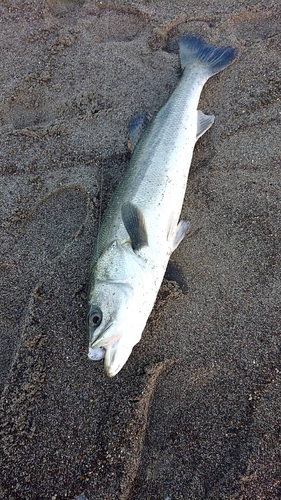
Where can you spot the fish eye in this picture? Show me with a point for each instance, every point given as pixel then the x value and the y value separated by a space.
pixel 95 317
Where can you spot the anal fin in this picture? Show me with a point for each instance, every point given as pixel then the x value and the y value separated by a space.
pixel 181 230
pixel 204 122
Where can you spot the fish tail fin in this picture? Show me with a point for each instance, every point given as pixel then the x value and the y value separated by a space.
pixel 193 50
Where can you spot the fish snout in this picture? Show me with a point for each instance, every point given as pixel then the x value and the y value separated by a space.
pixel 112 345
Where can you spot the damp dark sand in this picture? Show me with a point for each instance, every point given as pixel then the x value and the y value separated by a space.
pixel 196 411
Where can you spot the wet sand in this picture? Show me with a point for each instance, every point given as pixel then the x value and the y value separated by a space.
pixel 196 411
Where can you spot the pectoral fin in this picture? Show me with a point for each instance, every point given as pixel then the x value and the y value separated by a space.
pixel 204 122
pixel 134 223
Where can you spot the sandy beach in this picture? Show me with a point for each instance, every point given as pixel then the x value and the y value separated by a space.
pixel 195 414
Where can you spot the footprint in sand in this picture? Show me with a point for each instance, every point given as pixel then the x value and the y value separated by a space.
pixel 64 11
pixel 50 230
pixel 108 22
pixel 54 223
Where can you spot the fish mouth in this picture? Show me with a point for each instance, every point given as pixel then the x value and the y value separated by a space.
pixel 112 347
pixel 96 353
pixel 107 336
pixel 115 357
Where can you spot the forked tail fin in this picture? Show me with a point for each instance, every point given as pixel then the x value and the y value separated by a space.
pixel 193 50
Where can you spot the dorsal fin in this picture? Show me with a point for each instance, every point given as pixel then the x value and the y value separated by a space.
pixel 136 128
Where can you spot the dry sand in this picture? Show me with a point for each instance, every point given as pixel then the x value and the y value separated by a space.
pixel 196 411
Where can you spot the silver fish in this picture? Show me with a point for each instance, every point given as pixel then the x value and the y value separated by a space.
pixel 141 226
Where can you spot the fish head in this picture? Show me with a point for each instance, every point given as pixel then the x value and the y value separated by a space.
pixel 115 325
pixel 117 307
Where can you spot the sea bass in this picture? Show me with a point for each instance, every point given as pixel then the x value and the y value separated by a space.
pixel 141 226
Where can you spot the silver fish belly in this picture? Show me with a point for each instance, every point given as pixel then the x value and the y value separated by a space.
pixel 141 226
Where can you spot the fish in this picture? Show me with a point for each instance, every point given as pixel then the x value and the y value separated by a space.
pixel 141 227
